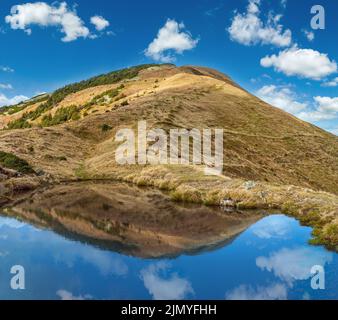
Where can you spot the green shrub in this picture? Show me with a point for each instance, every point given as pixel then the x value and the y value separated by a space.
pixel 11 161
pixel 62 115
pixel 21 123
pixel 16 109
pixel 101 98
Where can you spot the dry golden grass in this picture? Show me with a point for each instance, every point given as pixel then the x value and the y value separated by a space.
pixel 6 119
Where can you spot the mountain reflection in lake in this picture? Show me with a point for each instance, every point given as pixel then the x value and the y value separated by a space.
pixel 104 241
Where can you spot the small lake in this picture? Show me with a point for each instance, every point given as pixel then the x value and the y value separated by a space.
pixel 265 257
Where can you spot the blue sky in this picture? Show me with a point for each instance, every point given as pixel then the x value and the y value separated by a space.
pixel 267 46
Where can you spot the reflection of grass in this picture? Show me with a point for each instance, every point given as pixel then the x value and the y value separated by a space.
pixel 43 216
pixel 105 225
pixel 315 209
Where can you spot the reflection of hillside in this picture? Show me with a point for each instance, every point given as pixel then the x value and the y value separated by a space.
pixel 133 221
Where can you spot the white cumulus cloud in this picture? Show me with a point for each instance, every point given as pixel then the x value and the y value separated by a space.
pixel 105 263
pixel 309 35
pixel 331 83
pixel 169 288
pixel 281 97
pixel 5 101
pixel 334 131
pixel 273 292
pixel 249 29
pixel 305 63
pixel 23 16
pixel 319 109
pixel 275 226
pixel 99 22
pixel 11 223
pixel 172 38
pixel 284 3
pixel 68 296
pixel 6 69
pixel 326 108
pixel 327 103
pixel 291 265
pixel 6 86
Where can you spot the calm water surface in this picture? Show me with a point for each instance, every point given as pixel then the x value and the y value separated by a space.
pixel 270 260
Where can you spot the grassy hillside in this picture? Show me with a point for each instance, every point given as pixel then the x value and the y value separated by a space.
pixel 71 136
pixel 261 142
pixel 49 102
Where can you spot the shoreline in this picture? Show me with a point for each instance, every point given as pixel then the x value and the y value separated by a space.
pixel 316 209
